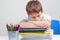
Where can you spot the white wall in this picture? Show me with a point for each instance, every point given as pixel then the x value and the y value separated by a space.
pixel 14 10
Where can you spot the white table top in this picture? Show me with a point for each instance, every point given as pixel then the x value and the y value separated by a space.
pixel 55 37
pixel 6 37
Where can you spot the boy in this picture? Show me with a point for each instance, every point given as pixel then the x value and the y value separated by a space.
pixel 36 18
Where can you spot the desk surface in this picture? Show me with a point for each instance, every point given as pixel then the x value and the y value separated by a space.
pixel 55 37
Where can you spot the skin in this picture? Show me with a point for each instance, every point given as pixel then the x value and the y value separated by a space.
pixel 35 21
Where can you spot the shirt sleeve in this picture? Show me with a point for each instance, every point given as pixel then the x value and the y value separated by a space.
pixel 46 17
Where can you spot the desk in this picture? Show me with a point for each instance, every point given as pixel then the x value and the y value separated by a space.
pixel 6 37
pixel 55 37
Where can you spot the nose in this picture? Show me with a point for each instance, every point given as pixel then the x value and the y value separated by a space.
pixel 36 19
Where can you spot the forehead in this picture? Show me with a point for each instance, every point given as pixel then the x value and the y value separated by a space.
pixel 34 14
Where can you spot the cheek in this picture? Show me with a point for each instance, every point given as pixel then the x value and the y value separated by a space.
pixel 32 19
pixel 38 18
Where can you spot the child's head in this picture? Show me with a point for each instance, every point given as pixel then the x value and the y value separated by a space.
pixel 34 10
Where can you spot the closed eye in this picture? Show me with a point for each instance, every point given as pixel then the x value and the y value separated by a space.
pixel 38 16
pixel 33 17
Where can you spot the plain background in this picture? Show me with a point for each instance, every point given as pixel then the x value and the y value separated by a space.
pixel 12 11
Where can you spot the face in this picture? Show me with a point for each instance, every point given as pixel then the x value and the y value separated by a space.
pixel 35 16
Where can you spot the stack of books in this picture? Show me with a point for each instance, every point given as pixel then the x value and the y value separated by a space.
pixel 34 34
pixel 32 30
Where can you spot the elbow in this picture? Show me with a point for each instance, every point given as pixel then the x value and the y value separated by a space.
pixel 22 24
pixel 48 25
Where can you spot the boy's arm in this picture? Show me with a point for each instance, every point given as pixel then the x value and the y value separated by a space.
pixel 25 24
pixel 45 23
